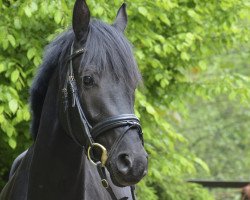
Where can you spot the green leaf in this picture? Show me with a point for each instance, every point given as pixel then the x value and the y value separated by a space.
pixel 2 67
pixel 37 61
pixel 31 53
pixel 27 11
pixel 13 105
pixel 2 119
pixel 185 56
pixel 33 6
pixel 12 40
pixel 232 95
pixel 165 19
pixel 143 11
pixel 15 75
pixel 164 83
pixel 17 23
pixel 140 54
pixel 150 109
pixel 1 109
pixel 26 115
pixel 202 65
pixel 99 10
pixel 5 44
pixel 157 49
pixel 12 143
pixel 202 164
pixel 10 131
pixel 194 15
pixel 58 17
pixel 158 77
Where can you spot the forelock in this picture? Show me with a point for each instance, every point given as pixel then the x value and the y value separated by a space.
pixel 109 51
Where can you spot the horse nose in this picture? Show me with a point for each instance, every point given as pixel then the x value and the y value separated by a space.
pixel 132 165
pixel 124 163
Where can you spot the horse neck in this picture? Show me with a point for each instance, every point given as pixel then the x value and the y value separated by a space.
pixel 56 169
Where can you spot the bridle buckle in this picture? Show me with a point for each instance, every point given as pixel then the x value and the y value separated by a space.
pixel 105 183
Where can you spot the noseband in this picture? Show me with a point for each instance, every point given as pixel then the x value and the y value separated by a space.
pixel 128 121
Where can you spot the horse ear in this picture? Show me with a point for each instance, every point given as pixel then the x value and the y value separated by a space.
pixel 121 18
pixel 81 18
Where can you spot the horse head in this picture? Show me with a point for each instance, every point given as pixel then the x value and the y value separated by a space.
pixel 99 81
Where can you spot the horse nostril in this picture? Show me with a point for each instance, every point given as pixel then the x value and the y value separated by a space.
pixel 124 163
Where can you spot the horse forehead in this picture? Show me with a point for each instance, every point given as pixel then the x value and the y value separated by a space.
pixel 107 74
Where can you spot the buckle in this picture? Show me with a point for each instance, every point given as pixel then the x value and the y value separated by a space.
pixel 105 183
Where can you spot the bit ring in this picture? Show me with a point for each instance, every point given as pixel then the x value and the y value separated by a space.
pixel 104 156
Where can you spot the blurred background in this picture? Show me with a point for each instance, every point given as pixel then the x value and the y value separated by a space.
pixel 194 104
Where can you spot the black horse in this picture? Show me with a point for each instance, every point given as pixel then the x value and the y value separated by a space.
pixel 82 101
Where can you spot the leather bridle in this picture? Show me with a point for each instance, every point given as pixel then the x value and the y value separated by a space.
pixel 128 121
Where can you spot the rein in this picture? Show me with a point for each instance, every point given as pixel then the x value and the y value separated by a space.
pixel 130 121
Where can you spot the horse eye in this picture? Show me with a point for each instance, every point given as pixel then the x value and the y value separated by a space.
pixel 88 81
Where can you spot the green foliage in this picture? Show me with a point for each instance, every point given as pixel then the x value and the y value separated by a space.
pixel 221 136
pixel 172 40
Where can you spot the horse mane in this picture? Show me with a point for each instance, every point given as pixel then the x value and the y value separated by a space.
pixel 41 81
pixel 106 48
